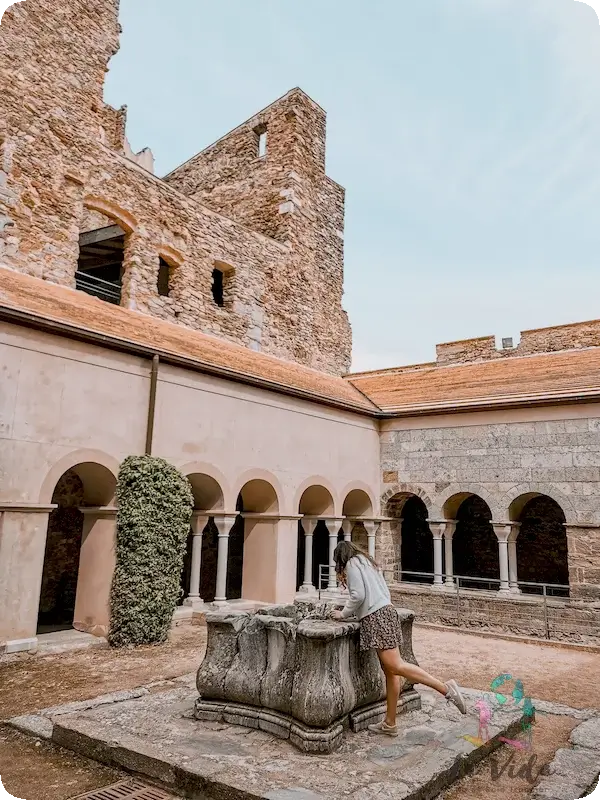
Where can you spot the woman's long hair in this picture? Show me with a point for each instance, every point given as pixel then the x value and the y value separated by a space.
pixel 342 555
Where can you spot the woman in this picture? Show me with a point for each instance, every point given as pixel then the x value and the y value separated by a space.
pixel 371 603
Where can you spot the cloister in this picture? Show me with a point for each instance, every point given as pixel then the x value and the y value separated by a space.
pixel 521 542
pixel 244 543
pixel 247 543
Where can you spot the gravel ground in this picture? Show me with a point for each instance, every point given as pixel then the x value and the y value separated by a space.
pixel 558 675
pixel 42 772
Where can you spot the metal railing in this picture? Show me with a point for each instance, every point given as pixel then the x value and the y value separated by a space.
pixel 539 612
pixel 104 290
pixel 459 585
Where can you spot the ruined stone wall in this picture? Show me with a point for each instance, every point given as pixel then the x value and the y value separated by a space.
pixel 286 195
pixel 543 340
pixel 61 157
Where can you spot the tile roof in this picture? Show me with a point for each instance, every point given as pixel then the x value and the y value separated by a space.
pixel 84 314
pixel 533 379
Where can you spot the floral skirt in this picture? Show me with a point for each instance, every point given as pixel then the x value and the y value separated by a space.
pixel 381 630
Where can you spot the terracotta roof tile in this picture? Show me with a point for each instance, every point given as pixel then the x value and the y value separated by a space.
pixel 536 378
pixel 62 305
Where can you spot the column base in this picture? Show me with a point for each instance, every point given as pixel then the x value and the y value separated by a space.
pixel 194 602
pixel 307 588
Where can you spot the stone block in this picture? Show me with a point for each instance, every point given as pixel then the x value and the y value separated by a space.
pixel 21 646
pixel 587 735
pixel 576 766
pixel 33 725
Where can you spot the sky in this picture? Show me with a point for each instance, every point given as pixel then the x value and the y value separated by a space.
pixel 466 134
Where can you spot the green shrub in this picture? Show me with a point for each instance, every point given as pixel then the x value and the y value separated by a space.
pixel 155 505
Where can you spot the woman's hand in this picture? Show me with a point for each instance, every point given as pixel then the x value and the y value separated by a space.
pixel 337 615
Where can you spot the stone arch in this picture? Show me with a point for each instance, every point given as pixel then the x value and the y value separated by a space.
pixel 410 542
pixel 406 490
pixel 541 542
pixel 79 549
pixel 447 502
pixel 263 492
pixel 474 544
pixel 123 218
pixel 317 500
pixel 359 500
pixel 170 254
pixel 208 484
pixel 84 460
pixel 512 501
pixel 209 496
pixel 326 496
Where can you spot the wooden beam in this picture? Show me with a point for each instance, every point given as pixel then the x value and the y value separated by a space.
pixel 100 235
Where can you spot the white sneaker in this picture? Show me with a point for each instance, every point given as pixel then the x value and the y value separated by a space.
pixel 454 696
pixel 384 728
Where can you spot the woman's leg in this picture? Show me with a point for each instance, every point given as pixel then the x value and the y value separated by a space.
pixel 392 686
pixel 394 665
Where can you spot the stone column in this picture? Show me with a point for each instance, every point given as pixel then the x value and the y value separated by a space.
pixel 437 530
pixel 224 525
pixel 449 532
pixel 308 526
pixel 199 523
pixel 347 526
pixel 23 530
pixel 513 574
pixel 96 568
pixel 503 531
pixel 333 527
pixel 371 528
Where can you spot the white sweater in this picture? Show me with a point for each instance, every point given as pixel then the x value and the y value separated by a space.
pixel 367 589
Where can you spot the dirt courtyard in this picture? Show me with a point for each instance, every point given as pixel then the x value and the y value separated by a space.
pixel 37 771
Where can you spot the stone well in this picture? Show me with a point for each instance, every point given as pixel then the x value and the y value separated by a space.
pixel 296 673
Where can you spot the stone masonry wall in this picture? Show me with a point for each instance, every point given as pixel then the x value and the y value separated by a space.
pixel 286 195
pixel 501 463
pixel 543 340
pixel 62 156
pixel 569 621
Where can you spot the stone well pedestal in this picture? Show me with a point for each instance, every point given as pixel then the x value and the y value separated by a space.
pixel 296 673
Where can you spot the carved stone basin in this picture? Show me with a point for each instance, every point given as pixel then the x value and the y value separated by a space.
pixel 296 673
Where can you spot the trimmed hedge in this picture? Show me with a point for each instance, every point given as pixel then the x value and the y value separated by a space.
pixel 155 504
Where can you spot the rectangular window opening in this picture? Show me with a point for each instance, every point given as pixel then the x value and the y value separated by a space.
pixel 100 264
pixel 164 278
pixel 217 287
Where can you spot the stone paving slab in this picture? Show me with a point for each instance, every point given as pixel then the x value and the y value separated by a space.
pixel 574 771
pixel 156 735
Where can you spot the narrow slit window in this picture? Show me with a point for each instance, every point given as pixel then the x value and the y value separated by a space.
pixel 261 140
pixel 217 287
pixel 164 278
pixel 262 144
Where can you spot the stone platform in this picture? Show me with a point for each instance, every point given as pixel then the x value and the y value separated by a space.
pixel 156 735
